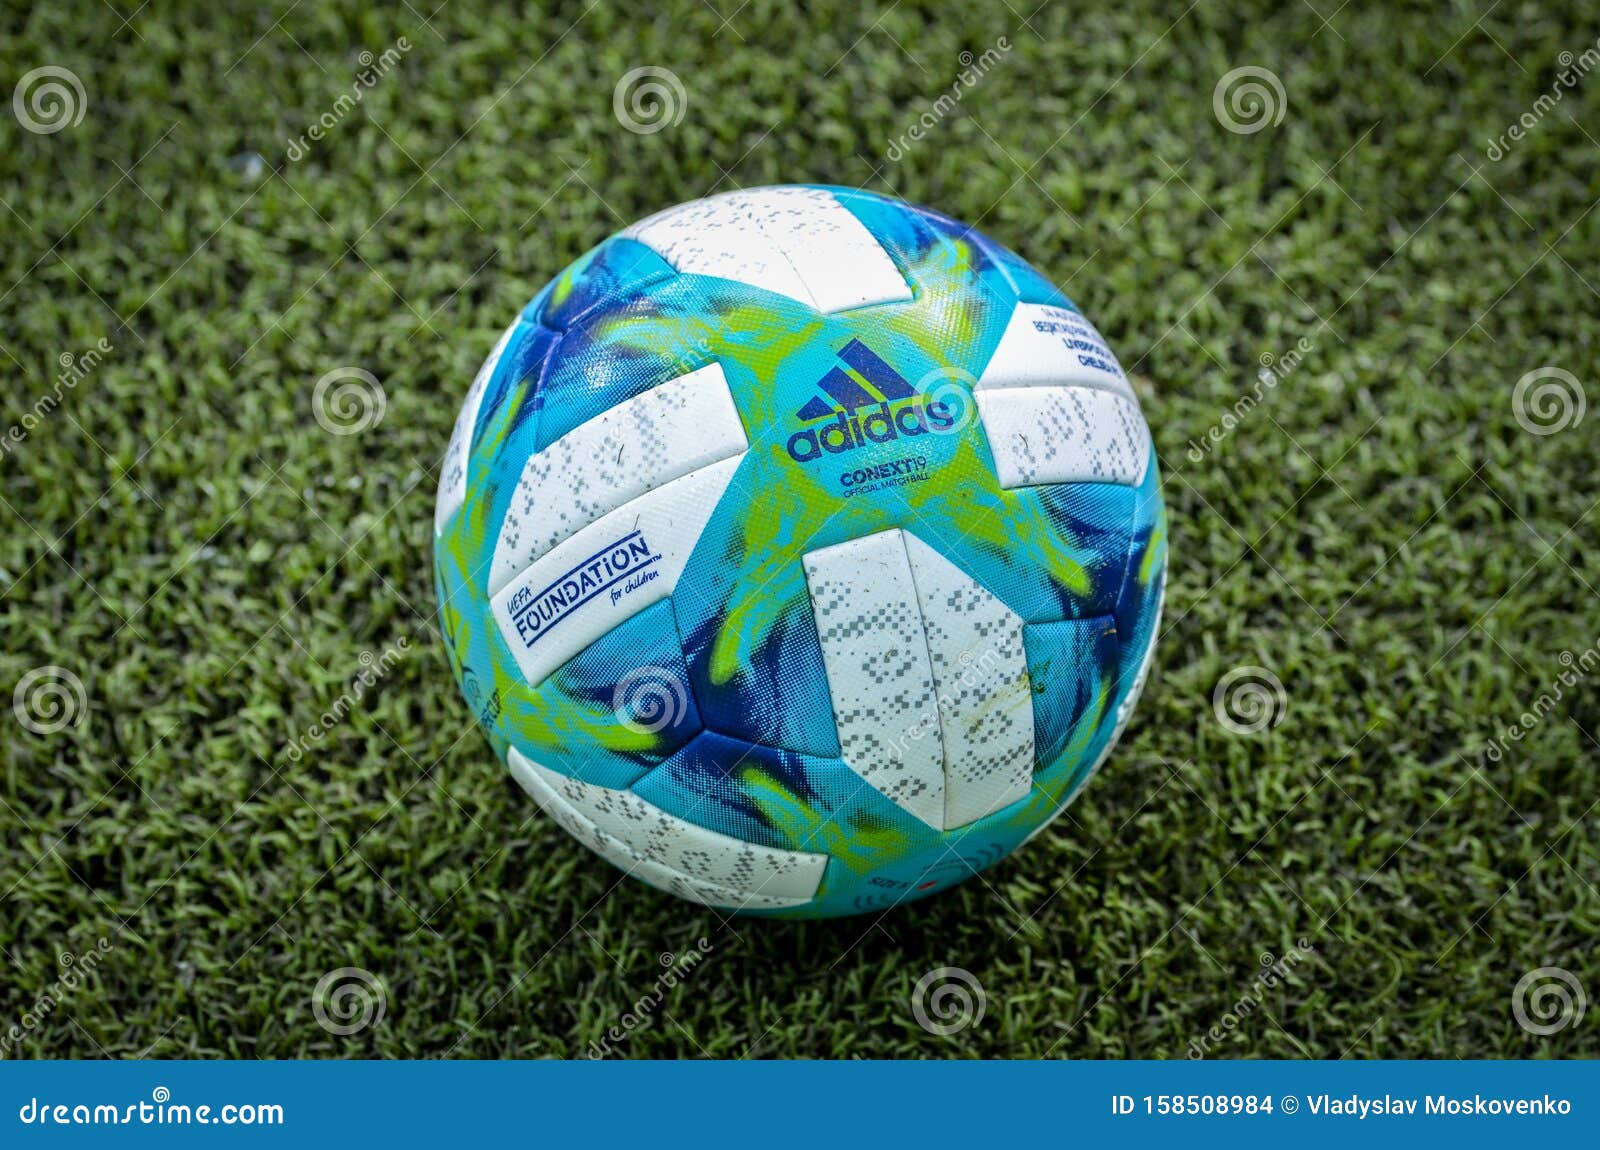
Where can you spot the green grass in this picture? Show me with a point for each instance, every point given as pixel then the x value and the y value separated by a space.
pixel 1379 532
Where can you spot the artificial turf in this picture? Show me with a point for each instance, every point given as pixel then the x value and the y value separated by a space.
pixel 1377 529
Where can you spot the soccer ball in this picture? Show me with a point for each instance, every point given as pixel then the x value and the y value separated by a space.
pixel 800 551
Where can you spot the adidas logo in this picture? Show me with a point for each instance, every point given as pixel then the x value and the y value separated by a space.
pixel 863 382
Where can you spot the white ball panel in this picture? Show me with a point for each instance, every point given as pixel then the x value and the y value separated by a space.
pixel 879 678
pixel 660 435
pixel 1046 346
pixel 928 677
pixel 797 242
pixel 980 675
pixel 1042 435
pixel 691 861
